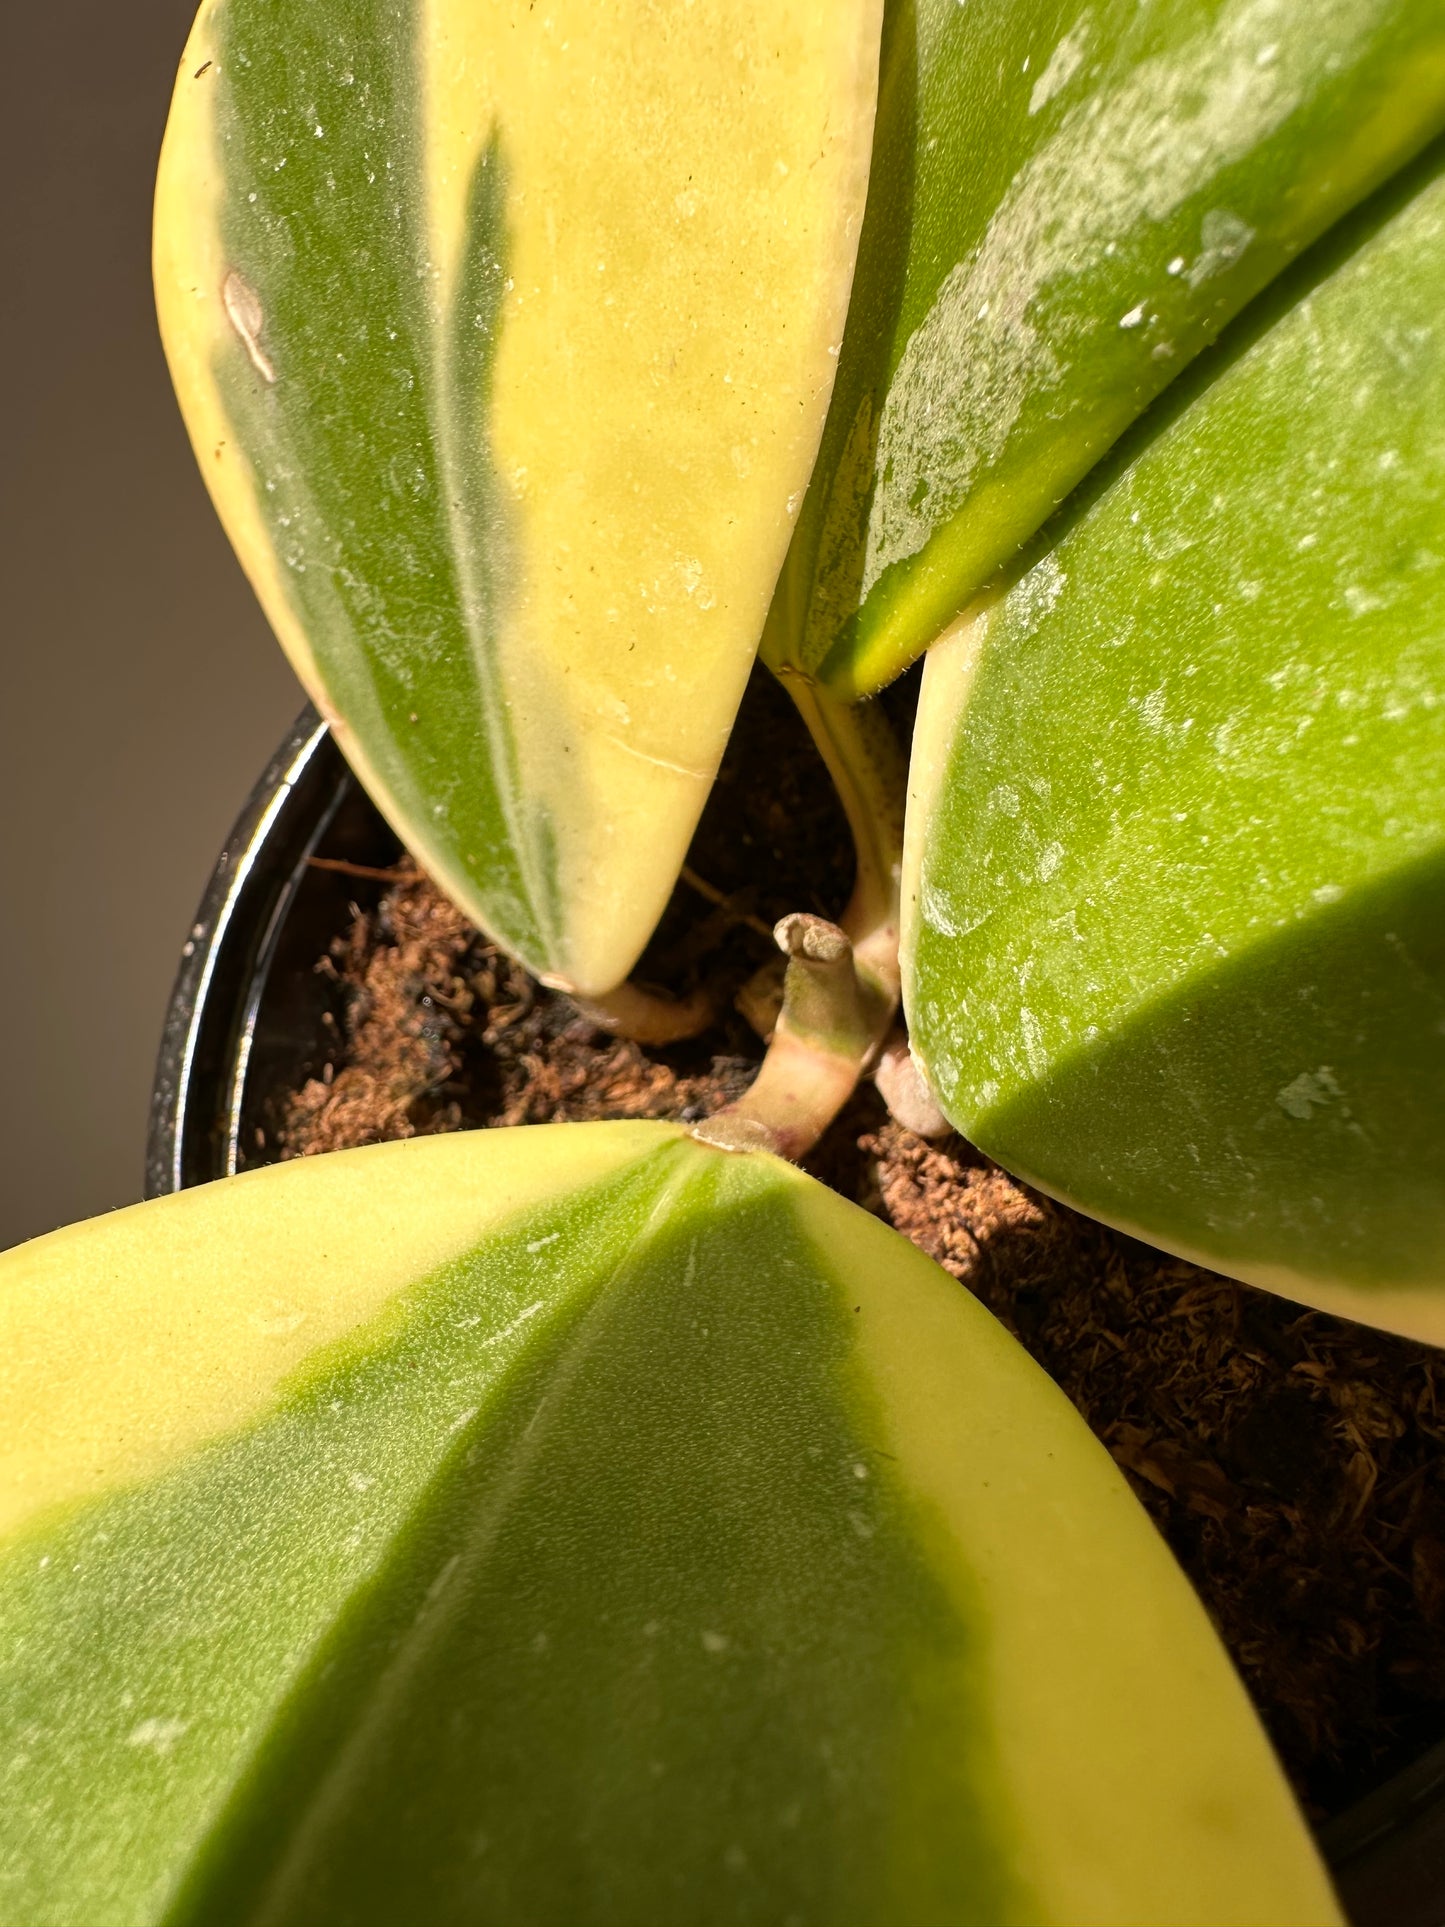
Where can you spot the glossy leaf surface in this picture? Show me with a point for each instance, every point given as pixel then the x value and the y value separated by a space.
pixel 504 336
pixel 1176 923
pixel 577 1525
pixel 1068 202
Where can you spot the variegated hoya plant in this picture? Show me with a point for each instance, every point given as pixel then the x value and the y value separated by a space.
pixel 608 1524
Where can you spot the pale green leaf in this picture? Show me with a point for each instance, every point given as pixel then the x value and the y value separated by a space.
pixel 1175 930
pixel 583 1525
pixel 1068 202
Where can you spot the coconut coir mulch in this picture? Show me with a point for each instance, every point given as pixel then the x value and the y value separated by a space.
pixel 1293 1462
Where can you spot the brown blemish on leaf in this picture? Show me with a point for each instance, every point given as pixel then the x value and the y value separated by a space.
pixel 247 317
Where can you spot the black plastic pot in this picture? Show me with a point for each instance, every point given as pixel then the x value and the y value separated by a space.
pixel 251 1018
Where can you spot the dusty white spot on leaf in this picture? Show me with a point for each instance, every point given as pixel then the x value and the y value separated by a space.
pixel 158 1736
pixel 276 1319
pixel 1064 63
pixel 1223 237
pixel 1362 602
pixel 513 1325
pixel 1308 1093
pixel 1036 594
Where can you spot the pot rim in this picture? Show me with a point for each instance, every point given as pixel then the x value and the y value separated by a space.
pixel 210 1018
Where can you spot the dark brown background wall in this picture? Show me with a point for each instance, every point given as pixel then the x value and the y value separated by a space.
pixel 141 692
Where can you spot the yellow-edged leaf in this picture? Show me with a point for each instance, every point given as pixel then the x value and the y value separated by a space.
pixel 584 1525
pixel 504 334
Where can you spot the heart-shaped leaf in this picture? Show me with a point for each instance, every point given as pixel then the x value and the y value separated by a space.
pixel 1068 202
pixel 1175 932
pixel 504 334
pixel 583 1525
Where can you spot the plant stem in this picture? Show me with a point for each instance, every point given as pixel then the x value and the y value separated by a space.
pixel 826 1032
pixel 648 1017
pixel 857 743
pixel 842 984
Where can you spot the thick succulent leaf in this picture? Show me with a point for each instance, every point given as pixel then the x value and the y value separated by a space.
pixel 576 1525
pixel 504 335
pixel 1176 857
pixel 1068 201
